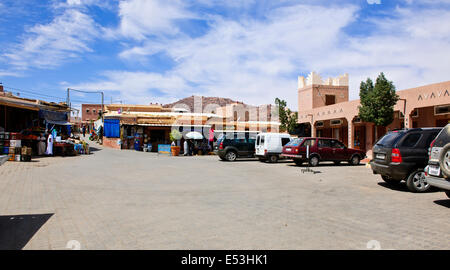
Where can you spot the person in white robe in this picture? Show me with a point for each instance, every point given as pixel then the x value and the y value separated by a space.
pixel 49 145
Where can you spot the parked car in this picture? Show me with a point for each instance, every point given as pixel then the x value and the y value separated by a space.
pixel 234 144
pixel 437 173
pixel 321 149
pixel 269 146
pixel 402 155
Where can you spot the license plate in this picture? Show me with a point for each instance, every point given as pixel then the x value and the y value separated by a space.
pixel 434 170
pixel 288 149
pixel 380 156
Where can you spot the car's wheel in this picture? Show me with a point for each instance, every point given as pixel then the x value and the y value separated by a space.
pixel 273 159
pixel 355 160
pixel 231 156
pixel 298 162
pixel 389 180
pixel 444 160
pixel 416 182
pixel 447 193
pixel 314 161
pixel 337 162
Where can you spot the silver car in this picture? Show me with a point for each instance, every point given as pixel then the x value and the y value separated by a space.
pixel 438 170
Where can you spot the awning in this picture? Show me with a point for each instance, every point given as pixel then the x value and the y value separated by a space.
pixel 56 118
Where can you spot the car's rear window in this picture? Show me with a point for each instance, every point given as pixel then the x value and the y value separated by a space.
pixel 443 138
pixel 295 142
pixel 389 139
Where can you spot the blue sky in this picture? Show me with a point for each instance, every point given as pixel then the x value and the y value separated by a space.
pixel 142 51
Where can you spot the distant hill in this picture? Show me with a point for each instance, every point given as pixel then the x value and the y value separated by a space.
pixel 189 101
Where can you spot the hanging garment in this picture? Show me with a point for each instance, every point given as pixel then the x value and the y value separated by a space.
pixel 49 145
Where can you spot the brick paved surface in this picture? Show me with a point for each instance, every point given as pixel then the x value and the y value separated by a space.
pixel 116 199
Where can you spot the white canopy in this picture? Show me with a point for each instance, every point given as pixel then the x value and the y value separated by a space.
pixel 194 135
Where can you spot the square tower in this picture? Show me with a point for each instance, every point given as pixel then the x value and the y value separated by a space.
pixel 313 92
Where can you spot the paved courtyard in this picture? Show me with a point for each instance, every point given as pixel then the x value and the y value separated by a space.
pixel 115 199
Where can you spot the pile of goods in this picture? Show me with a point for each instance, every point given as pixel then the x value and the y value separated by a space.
pixel 11 145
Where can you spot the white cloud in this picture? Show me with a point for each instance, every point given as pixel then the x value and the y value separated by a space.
pixel 258 60
pixel 135 87
pixel 141 18
pixel 253 60
pixel 48 45
pixel 372 2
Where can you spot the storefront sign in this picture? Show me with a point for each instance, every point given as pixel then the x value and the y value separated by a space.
pixel 164 148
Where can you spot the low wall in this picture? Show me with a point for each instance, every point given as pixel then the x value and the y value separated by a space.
pixel 111 142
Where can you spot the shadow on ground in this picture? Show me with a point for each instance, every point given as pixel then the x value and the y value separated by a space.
pixel 305 164
pixel 402 187
pixel 445 203
pixel 16 231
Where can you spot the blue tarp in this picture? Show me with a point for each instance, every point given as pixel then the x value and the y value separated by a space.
pixel 112 128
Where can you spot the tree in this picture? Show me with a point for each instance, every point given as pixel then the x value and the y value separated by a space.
pixel 377 102
pixel 175 135
pixel 288 119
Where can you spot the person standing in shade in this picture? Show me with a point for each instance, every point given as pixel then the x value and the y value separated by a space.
pixel 84 131
pixel 185 148
pixel 49 145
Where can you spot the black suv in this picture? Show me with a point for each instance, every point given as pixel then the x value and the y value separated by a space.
pixel 437 173
pixel 232 145
pixel 402 155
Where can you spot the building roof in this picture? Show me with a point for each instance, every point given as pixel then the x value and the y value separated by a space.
pixel 11 100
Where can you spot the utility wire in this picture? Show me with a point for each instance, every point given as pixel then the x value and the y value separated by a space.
pixel 36 93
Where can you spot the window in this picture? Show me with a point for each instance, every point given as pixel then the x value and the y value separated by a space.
pixel 337 144
pixel 389 139
pixel 411 140
pixel 319 124
pixel 296 142
pixel 87 110
pixel 442 109
pixel 262 139
pixel 310 142
pixel 324 143
pixel 330 99
pixel 415 113
pixel 443 138
pixel 335 122
pixel 285 141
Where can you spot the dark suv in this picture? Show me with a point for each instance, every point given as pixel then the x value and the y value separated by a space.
pixel 321 149
pixel 437 173
pixel 402 155
pixel 232 145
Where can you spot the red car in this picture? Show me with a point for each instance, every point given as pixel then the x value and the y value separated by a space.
pixel 321 149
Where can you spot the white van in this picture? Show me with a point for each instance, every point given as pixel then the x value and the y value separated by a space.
pixel 268 146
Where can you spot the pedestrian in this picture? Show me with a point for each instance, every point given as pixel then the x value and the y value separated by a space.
pixel 84 131
pixel 185 148
pixel 191 147
pixel 49 145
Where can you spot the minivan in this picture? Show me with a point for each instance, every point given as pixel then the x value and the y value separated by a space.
pixel 269 146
